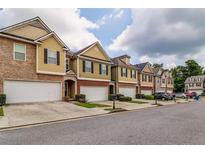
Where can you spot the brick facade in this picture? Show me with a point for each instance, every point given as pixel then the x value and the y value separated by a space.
pixel 90 83
pixel 20 70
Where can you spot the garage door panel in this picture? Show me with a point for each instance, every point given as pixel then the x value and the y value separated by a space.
pixel 94 93
pixel 25 91
pixel 128 91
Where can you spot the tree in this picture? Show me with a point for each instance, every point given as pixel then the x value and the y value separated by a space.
pixel 181 73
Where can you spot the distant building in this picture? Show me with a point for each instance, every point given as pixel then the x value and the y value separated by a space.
pixel 163 80
pixel 195 84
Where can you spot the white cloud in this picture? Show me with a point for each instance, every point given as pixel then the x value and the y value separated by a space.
pixel 119 14
pixel 67 23
pixel 168 36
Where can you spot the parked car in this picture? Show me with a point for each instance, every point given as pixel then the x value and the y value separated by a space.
pixel 191 94
pixel 180 95
pixel 162 96
pixel 171 96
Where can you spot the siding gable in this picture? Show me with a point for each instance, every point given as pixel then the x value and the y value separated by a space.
pixel 96 52
pixel 28 31
pixel 147 69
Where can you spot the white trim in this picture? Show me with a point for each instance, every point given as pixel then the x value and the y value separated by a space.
pixel 128 82
pixel 26 22
pixel 95 60
pixel 53 73
pixel 17 38
pixel 36 57
pixel 98 44
pixel 14 50
pixel 55 36
pixel 93 79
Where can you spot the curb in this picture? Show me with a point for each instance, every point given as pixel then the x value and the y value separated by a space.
pixel 76 118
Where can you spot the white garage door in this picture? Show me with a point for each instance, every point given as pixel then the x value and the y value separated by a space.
pixel 94 93
pixel 26 91
pixel 128 91
pixel 146 92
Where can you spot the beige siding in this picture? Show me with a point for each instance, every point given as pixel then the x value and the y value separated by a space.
pixel 95 74
pixel 29 32
pixel 53 45
pixel 128 78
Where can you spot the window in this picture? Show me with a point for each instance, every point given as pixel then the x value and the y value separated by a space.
pixel 52 57
pixel 124 72
pixel 163 80
pixel 133 74
pixel 19 52
pixel 150 78
pixel 88 66
pixel 144 78
pixel 103 69
pixel 198 84
pixel 67 65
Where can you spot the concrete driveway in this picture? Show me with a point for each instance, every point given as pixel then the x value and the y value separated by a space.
pixel 24 114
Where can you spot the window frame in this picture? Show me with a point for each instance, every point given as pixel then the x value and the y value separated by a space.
pixel 14 51
pixel 51 51
pixel 86 61
pixel 134 76
pixel 124 74
pixel 103 73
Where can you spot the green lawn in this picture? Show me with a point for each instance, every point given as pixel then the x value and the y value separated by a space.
pixel 91 105
pixel 1 111
pixel 138 102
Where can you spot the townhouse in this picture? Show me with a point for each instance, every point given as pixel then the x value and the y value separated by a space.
pixel 145 78
pixel 32 62
pixel 195 84
pixel 92 67
pixel 124 74
pixel 37 66
pixel 163 81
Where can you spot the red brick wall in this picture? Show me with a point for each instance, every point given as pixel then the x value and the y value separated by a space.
pixel 20 70
pixel 146 88
pixel 127 85
pixel 90 83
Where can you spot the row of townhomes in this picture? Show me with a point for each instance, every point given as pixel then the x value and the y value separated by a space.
pixel 195 84
pixel 37 66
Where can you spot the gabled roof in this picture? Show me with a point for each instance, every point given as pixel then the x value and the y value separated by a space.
pixel 27 22
pixel 141 66
pixel 118 62
pixel 80 52
pixel 37 22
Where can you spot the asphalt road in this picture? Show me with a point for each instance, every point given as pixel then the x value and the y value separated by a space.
pixel 175 124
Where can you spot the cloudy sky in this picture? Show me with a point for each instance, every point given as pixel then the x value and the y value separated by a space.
pixel 168 36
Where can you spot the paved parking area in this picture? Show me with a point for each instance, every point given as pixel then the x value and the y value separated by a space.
pixel 24 114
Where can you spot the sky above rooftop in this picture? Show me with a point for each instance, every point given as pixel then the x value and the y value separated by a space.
pixel 169 36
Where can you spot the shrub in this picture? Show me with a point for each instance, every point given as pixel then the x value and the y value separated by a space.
pixel 1 111
pixel 118 96
pixel 80 98
pixel 2 99
pixel 149 97
pixel 140 96
pixel 125 98
pixel 111 96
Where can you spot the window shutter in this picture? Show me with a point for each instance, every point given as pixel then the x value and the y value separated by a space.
pixel 126 72
pixel 92 69
pixel 58 58
pixel 135 74
pixel 106 69
pixel 83 66
pixel 131 73
pixel 100 68
pixel 45 56
pixel 121 71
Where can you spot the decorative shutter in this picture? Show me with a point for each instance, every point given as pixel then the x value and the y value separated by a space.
pixel 135 74
pixel 92 69
pixel 58 57
pixel 106 69
pixel 45 56
pixel 121 72
pixel 100 68
pixel 126 72
pixel 131 73
pixel 83 66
